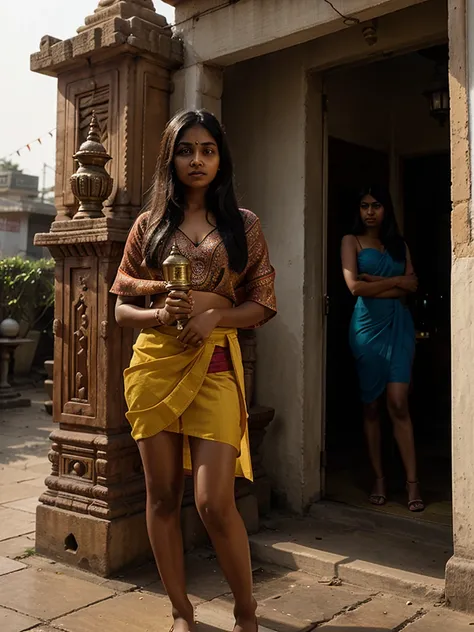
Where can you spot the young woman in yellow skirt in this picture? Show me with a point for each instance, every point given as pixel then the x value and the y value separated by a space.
pixel 185 389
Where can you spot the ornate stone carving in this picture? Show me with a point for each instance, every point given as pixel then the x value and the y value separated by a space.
pixel 104 327
pixel 81 365
pixel 96 101
pixel 57 327
pixel 91 184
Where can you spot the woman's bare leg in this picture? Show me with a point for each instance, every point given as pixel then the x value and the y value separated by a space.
pixel 397 403
pixel 162 457
pixel 374 445
pixel 214 478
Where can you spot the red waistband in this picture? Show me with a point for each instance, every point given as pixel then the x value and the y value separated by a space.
pixel 220 361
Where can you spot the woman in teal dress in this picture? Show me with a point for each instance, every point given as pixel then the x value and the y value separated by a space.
pixel 377 269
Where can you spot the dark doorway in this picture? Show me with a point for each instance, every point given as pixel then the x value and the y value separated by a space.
pixel 427 206
pixel 425 183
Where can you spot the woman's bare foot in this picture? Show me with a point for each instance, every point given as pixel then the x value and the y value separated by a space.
pixel 181 625
pixel 184 623
pixel 246 622
pixel 379 493
pixel 249 625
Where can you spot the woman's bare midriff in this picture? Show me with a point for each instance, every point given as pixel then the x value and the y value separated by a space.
pixel 203 301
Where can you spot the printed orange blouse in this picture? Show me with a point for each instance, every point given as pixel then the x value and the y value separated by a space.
pixel 209 264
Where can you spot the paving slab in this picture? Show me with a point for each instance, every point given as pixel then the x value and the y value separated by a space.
pixel 18 547
pixel 38 482
pixel 42 467
pixel 9 475
pixel 310 603
pixel 27 505
pixel 141 577
pixel 284 598
pixel 14 523
pixel 17 491
pixel 442 620
pixel 271 582
pixel 382 614
pixel 10 566
pixel 205 580
pixel 216 616
pixel 11 621
pixel 46 595
pixel 45 564
pixel 29 461
pixel 133 612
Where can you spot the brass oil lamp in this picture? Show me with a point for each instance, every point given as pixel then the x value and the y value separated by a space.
pixel 177 274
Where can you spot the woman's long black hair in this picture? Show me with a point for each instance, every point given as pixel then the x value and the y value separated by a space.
pixel 390 235
pixel 167 200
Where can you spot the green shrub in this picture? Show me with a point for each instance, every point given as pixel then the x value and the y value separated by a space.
pixel 26 289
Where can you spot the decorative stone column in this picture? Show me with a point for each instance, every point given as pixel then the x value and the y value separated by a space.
pixel 113 103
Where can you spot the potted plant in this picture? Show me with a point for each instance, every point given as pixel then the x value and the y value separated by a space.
pixel 26 295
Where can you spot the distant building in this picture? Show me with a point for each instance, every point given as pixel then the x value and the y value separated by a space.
pixel 22 214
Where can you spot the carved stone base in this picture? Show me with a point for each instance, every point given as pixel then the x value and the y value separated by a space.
pixel 100 546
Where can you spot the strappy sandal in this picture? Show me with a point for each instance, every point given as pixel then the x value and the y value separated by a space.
pixel 378 499
pixel 416 505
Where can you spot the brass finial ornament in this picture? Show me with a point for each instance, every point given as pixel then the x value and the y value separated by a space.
pixel 177 274
pixel 91 184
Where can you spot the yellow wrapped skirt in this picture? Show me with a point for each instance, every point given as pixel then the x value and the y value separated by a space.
pixel 168 387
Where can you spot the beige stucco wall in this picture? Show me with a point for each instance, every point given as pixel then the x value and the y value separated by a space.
pixel 250 28
pixel 265 118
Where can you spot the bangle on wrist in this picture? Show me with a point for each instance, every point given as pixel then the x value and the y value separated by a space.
pixel 158 317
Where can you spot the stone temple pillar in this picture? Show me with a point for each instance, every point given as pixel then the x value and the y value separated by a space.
pixel 113 103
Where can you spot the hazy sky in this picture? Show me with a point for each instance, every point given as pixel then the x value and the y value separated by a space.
pixel 28 100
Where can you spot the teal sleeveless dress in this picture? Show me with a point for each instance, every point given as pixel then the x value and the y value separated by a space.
pixel 382 333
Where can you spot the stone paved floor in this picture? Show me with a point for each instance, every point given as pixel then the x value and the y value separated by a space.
pixel 38 594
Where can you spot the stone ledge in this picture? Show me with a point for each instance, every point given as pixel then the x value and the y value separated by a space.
pixel 103 229
pixel 133 34
pixel 354 555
